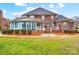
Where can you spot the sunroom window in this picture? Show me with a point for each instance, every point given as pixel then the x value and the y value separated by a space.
pixel 16 24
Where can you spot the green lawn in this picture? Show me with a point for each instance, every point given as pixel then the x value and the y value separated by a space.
pixel 36 46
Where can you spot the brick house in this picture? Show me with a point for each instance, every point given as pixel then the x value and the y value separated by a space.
pixel 42 20
pixel 4 23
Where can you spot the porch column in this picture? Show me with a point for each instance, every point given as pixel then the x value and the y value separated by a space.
pixel 43 18
pixel 21 25
pixel 62 27
pixel 52 22
pixel 36 26
pixel 26 25
pixel 52 17
pixel 31 25
pixel 14 26
pixel 43 27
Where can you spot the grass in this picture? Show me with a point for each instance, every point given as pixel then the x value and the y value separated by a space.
pixel 36 45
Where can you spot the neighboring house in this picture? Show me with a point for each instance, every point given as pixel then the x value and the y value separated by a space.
pixel 1 17
pixel 4 24
pixel 42 20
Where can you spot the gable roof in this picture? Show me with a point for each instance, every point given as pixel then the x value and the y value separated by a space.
pixel 39 11
pixel 63 18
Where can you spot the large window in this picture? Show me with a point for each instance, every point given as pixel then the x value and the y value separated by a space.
pixel 11 25
pixel 31 16
pixel 55 24
pixel 38 24
pixel 16 24
pixel 24 26
pixel 33 26
pixel 43 17
pixel 65 25
pixel 28 25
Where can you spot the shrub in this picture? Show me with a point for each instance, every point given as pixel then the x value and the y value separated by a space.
pixel 77 31
pixel 65 31
pixel 17 31
pixel 69 31
pixel 23 31
pixel 4 31
pixel 10 31
pixel 29 32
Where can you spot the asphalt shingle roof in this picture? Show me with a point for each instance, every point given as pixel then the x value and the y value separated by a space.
pixel 39 11
pixel 62 18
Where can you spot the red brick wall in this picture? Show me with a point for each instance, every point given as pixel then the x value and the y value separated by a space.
pixel 4 24
pixel 38 17
pixel 70 25
pixel 1 17
pixel 48 18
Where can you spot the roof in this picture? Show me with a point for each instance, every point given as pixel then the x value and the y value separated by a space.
pixel 39 11
pixel 63 18
pixel 24 19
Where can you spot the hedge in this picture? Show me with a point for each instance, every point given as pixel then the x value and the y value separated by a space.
pixel 23 31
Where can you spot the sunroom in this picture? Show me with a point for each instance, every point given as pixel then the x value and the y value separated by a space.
pixel 23 24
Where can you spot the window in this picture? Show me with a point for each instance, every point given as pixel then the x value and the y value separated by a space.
pixel 24 26
pixel 38 24
pixel 52 17
pixel 55 24
pixel 11 25
pixel 31 16
pixel 16 24
pixel 43 17
pixel 33 26
pixel 65 25
pixel 29 25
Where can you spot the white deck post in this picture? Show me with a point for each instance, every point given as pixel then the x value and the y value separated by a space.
pixel 14 25
pixel 43 18
pixel 26 25
pixel 36 25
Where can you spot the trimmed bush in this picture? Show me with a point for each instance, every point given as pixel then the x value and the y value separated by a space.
pixel 10 31
pixel 23 31
pixel 17 31
pixel 4 31
pixel 65 31
pixel 29 32
pixel 77 31
pixel 71 31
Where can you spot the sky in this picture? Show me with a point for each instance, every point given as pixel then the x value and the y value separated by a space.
pixel 12 10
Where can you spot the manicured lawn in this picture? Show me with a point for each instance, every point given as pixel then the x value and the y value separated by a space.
pixel 58 45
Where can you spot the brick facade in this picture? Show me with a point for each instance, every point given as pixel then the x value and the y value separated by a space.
pixel 1 17
pixel 48 22
pixel 3 21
